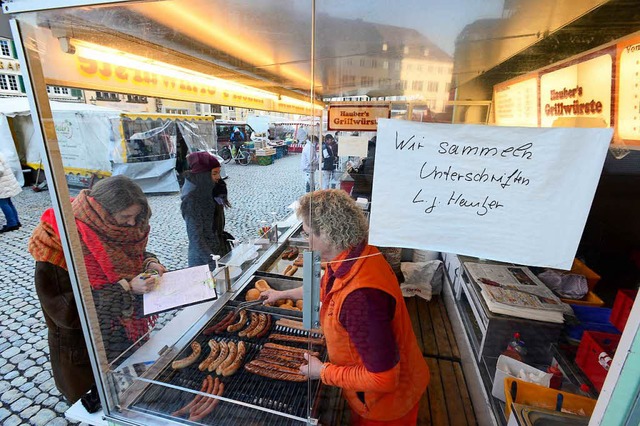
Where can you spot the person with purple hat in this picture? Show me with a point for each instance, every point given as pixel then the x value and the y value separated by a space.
pixel 204 198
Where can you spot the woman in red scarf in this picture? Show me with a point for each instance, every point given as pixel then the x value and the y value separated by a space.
pixel 113 225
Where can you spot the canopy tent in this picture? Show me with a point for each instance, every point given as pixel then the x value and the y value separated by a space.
pixel 98 142
pixel 85 135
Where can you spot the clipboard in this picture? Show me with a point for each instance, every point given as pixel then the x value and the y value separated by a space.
pixel 180 288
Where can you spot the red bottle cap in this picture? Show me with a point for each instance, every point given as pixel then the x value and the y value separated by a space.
pixel 584 387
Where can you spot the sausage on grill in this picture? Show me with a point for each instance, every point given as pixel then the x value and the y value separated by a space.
pixel 224 351
pixel 241 322
pixel 251 367
pixel 237 362
pixel 253 324
pixel 215 350
pixel 187 361
pixel 233 350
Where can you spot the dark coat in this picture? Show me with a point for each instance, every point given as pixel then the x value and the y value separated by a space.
pixel 204 217
pixel 70 362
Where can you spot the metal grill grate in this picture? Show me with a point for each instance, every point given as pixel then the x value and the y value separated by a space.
pixel 277 395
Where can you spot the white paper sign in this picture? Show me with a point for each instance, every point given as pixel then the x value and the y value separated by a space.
pixel 354 146
pixel 180 288
pixel 510 194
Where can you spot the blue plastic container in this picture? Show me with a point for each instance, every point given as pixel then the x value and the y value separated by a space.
pixel 279 152
pixel 591 318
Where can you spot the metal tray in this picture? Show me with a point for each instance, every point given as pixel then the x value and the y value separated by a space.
pixel 276 265
pixel 276 282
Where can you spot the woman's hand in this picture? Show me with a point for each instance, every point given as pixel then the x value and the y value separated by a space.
pixel 272 296
pixel 143 283
pixel 158 267
pixel 312 368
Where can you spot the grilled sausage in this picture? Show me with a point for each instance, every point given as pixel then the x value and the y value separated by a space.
pixel 185 410
pixel 187 361
pixel 224 351
pixel 213 354
pixel 224 322
pixel 290 270
pixel 262 322
pixel 251 367
pixel 251 326
pixel 231 356
pixel 285 362
pixel 266 328
pixel 241 322
pixel 199 411
pixel 297 339
pixel 237 362
pixel 290 349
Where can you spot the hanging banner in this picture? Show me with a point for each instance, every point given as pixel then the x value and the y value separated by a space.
pixel 511 194
pixel 357 117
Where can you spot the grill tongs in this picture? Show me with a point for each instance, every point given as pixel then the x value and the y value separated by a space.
pixel 244 305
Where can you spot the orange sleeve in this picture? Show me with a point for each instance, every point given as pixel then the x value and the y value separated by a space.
pixel 358 378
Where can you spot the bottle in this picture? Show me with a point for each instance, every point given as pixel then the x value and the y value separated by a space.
pixel 516 348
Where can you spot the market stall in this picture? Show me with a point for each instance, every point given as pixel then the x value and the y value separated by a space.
pixel 517 195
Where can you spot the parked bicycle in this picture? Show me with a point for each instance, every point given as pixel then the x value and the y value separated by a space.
pixel 241 155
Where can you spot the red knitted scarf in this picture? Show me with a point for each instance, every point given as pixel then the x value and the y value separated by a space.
pixel 111 251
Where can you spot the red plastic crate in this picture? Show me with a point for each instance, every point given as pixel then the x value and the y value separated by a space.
pixel 622 308
pixel 594 355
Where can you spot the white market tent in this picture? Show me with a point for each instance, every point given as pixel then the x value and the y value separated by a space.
pixel 86 135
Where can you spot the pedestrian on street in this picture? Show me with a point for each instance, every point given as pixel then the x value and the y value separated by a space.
pixel 9 187
pixel 373 353
pixel 113 225
pixel 329 151
pixel 309 162
pixel 204 198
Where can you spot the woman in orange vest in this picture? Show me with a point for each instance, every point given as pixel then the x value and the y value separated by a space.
pixel 373 353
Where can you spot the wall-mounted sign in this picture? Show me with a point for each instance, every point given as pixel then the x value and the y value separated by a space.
pixel 356 117
pixel 628 111
pixel 516 104
pixel 502 193
pixel 578 95
pixel 112 71
pixel 9 66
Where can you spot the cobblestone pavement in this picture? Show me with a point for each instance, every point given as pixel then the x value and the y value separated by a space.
pixel 27 391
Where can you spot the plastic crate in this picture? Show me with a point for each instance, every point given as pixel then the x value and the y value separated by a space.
pixel 622 307
pixel 590 318
pixel 594 355
pixel 580 268
pixel 264 160
pixel 538 396
pixel 591 299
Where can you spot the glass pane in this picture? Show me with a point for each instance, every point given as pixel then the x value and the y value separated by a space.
pixel 198 117
pixel 165 92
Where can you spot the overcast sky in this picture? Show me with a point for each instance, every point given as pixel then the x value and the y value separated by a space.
pixel 440 20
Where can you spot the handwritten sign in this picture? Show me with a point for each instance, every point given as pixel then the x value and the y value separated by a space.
pixel 510 194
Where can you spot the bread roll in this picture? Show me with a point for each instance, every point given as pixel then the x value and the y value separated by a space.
pixel 253 294
pixel 262 285
pixel 299 304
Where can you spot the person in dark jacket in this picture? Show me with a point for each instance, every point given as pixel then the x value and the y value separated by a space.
pixel 113 225
pixel 363 174
pixel 329 152
pixel 204 198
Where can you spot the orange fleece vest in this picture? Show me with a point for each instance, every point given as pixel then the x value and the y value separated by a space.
pixel 374 272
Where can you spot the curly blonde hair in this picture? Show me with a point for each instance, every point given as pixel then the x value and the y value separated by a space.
pixel 334 214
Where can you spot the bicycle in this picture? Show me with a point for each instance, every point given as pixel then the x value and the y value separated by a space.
pixel 241 156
